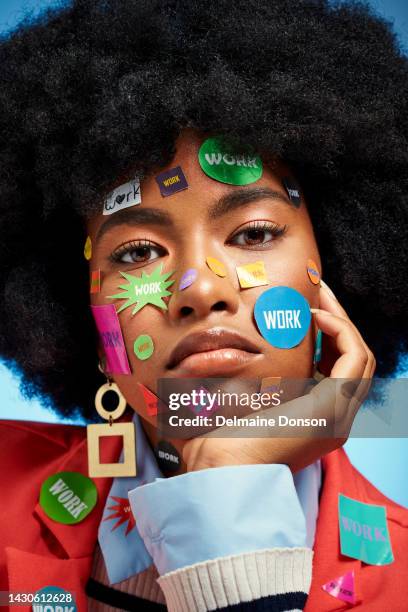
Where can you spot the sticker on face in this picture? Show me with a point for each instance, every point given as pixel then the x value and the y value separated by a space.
pixel 88 249
pixel 153 403
pixel 220 163
pixel 318 347
pixel 68 497
pixel 216 266
pixel 364 532
pixel 283 316
pixel 313 272
pixel 342 588
pixel 271 384
pixel 95 281
pixel 143 290
pixel 110 333
pixel 124 196
pixel 252 275
pixel 188 278
pixel 143 347
pixel 171 181
pixel 293 190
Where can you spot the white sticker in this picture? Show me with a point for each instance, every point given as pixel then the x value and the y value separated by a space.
pixel 124 196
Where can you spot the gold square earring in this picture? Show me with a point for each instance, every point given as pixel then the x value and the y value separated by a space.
pixel 95 432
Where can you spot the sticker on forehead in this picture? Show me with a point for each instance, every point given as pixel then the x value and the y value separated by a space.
pixel 188 278
pixel 283 316
pixel 140 291
pixel 171 181
pixel 122 197
pixel 88 249
pixel 313 272
pixel 143 347
pixel 95 281
pixel 216 266
pixel 293 190
pixel 110 333
pixel 225 165
pixel 252 275
pixel 364 532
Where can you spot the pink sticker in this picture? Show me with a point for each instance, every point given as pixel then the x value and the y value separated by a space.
pixel 188 278
pixel 110 333
pixel 342 588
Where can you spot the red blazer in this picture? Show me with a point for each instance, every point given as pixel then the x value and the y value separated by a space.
pixel 36 551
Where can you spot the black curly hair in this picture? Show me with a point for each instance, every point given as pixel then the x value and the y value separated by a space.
pixel 102 88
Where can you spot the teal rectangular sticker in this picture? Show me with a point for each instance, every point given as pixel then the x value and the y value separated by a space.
pixel 364 532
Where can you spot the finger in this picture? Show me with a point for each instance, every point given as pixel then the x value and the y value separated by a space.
pixel 329 302
pixel 353 358
pixel 356 361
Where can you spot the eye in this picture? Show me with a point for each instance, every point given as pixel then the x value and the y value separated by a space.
pixel 138 251
pixel 257 234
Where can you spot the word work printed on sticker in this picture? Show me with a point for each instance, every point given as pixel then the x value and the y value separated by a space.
pixel 282 316
pixel 122 197
pixel 67 498
pixel 110 333
pixel 171 181
pixel 364 532
pixel 282 319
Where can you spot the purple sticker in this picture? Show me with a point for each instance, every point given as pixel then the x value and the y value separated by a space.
pixel 171 181
pixel 110 333
pixel 188 278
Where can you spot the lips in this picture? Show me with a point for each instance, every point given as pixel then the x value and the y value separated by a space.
pixel 206 342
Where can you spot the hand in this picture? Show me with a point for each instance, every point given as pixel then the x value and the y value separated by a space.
pixel 346 357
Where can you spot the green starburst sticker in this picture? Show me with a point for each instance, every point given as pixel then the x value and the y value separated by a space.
pixel 145 289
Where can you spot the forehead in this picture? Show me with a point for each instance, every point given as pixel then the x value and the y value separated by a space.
pixel 202 195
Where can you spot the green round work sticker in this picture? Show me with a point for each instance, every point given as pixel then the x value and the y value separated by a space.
pixel 223 164
pixel 68 497
pixel 143 347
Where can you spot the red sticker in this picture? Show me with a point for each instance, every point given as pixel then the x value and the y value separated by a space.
pixel 95 281
pixel 152 402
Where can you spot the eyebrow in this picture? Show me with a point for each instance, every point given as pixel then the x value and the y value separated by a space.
pixel 227 203
pixel 135 217
pixel 235 199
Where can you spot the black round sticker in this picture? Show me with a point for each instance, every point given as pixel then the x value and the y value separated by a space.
pixel 167 457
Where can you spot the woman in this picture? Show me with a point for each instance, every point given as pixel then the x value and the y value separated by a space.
pixel 98 93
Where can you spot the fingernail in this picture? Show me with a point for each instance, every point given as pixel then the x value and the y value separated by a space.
pixel 319 311
pixel 329 291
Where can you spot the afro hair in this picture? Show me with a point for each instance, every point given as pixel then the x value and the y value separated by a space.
pixel 98 89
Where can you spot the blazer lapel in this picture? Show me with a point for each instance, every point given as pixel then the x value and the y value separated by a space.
pixel 71 546
pixel 328 562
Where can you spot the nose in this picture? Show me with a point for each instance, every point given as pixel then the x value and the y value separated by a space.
pixel 208 294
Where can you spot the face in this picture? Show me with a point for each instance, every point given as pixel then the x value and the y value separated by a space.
pixel 209 328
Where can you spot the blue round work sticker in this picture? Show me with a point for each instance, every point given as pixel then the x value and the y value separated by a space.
pixel 283 316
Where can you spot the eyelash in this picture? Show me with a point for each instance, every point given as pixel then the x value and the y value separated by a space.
pixel 259 226
pixel 128 247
